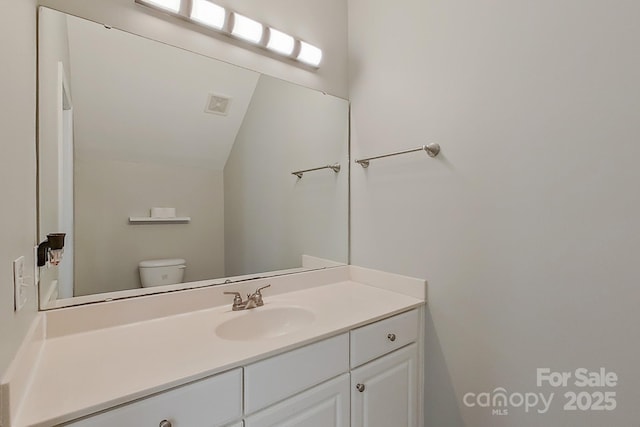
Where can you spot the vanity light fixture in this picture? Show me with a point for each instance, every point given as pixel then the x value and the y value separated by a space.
pixel 207 13
pixel 281 42
pixel 241 27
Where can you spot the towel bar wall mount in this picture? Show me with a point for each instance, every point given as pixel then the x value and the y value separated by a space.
pixel 335 167
pixel 432 150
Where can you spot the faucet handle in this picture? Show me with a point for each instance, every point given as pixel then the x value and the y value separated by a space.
pixel 237 294
pixel 259 289
pixel 257 296
pixel 237 299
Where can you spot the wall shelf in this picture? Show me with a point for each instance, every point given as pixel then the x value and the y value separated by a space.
pixel 150 220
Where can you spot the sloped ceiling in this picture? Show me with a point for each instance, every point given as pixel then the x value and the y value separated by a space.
pixel 140 100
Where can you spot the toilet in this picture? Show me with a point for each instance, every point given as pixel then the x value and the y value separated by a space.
pixel 159 272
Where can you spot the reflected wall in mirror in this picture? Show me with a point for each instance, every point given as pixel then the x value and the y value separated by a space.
pixel 125 126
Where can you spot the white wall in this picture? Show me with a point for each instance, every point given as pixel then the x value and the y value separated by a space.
pixel 17 165
pixel 272 217
pixel 138 99
pixel 54 48
pixel 108 248
pixel 320 22
pixel 526 227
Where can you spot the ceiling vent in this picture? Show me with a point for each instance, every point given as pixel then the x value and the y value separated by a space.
pixel 218 104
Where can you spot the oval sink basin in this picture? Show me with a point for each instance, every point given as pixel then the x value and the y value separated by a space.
pixel 265 322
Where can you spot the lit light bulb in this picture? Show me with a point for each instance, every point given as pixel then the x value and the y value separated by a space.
pixel 309 54
pixel 208 13
pixel 171 5
pixel 280 42
pixel 246 28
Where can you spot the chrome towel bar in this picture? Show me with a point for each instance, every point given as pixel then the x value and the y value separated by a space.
pixel 334 167
pixel 431 149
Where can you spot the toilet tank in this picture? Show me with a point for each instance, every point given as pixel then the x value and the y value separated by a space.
pixel 159 272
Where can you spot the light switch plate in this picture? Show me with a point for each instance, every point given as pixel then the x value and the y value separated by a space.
pixel 20 290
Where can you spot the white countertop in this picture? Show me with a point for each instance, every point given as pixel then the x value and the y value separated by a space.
pixel 82 373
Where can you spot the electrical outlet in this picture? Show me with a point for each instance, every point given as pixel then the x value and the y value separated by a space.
pixel 19 287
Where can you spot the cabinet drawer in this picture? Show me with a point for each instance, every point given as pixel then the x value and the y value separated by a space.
pixel 271 380
pixel 213 401
pixel 325 405
pixel 382 337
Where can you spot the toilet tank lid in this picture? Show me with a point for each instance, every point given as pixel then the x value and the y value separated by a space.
pixel 161 263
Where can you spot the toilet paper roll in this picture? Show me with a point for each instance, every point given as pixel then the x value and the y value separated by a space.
pixel 163 212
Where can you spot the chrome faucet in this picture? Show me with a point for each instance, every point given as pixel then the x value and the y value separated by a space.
pixel 253 300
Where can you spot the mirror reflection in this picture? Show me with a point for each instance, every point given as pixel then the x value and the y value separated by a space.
pixel 164 167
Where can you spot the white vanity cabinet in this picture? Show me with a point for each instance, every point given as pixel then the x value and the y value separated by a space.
pixel 367 377
pixel 381 389
pixel 212 402
pixel 384 390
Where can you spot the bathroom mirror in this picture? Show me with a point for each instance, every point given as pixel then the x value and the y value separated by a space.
pixel 128 124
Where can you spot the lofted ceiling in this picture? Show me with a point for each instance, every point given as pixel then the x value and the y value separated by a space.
pixel 140 100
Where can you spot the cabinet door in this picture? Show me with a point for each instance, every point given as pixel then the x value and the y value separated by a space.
pixel 326 405
pixel 384 392
pixel 213 401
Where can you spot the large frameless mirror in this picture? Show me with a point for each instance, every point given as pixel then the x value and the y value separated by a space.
pixel 167 169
